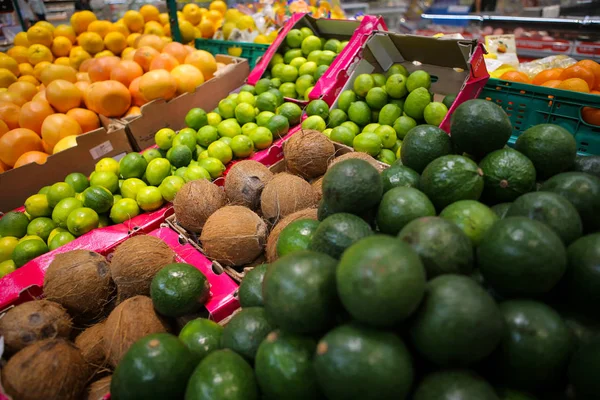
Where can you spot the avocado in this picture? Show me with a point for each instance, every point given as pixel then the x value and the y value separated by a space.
pixel 401 205
pixel 501 209
pixel 323 211
pixel 454 384
pixel 521 257
pixel 458 322
pixel 250 290
pixel 472 217
pixel 449 100
pixel 354 362
pixel 399 175
pixel 296 236
pixel 507 174
pixel 442 246
pixel 583 275
pixel 179 289
pixel 380 280
pixel 422 145
pixel 588 164
pixel 583 370
pixel 245 331
pixel 337 232
pixel 201 336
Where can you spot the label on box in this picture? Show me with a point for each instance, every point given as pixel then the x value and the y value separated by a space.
pixel 101 150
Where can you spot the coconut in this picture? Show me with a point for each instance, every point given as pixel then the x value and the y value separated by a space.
pixel 136 261
pixel 363 156
pixel 234 235
pixel 128 322
pixel 91 344
pixel 245 182
pixel 286 194
pixel 98 389
pixel 33 321
pixel 307 153
pixel 309 213
pixel 196 201
pixel 317 185
pixel 79 280
pixel 49 369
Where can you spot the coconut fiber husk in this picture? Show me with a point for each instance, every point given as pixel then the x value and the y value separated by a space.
pixel 50 369
pixel 307 153
pixel 284 195
pixel 80 281
pixel 128 322
pixel 234 235
pixel 196 201
pixel 363 156
pixel 91 344
pixel 309 213
pixel 98 389
pixel 245 182
pixel 33 321
pixel 317 185
pixel 136 261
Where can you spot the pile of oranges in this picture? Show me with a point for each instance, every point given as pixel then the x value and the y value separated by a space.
pixel 56 81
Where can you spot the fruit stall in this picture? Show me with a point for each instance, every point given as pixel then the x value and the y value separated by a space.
pixel 285 201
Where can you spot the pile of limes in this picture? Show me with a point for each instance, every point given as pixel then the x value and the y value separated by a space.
pixel 375 116
pixel 300 62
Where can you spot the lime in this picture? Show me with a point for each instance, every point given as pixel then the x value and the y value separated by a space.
pixel 277 69
pixel 204 154
pixel 179 156
pixel 149 198
pixel 278 95
pixel 241 146
pixel 449 100
pixel 30 237
pixel 187 137
pixel 375 115
pixel 152 154
pixel 387 134
pixel 314 122
pixel 404 124
pixel 289 73
pixel 343 135
pixel 61 190
pixel 379 79
pixel 308 68
pixel 131 187
pixel 276 83
pixel 318 107
pixel 267 102
pixel 418 79
pixel 288 90
pixel 246 97
pixel 376 98
pixel 117 197
pixel 170 186
pixel 346 98
pixel 196 118
pixel 229 128
pixel 321 69
pixel 395 86
pixel 78 181
pixel 263 118
pixel 124 210
pixel 371 127
pixel 27 251
pixel 158 170
pixel 263 85
pixel 195 172
pixel 244 113
pixel 326 58
pixel 7 245
pixel 207 134
pixel 201 336
pixel 291 111
pixel 37 206
pixel 98 198
pixel 213 119
pixel 214 167
pixel 221 151
pixel 296 236
pixel 389 114
pixel 6 267
pixel 41 226
pixel 336 118
pixel 397 102
pixel 164 138
pixel 314 56
pixel 352 126
pixel 397 69
pixel 333 45
pixel 416 101
pixel 103 221
pixel 278 125
pixel 108 164
pixel 360 113
pixel 277 59
pixel 343 45
pixel 105 179
pixel 63 209
pixel 306 32
pixel 180 172
pixel 226 140
pixel 396 146
pixel 60 239
pixel 54 232
pixel 386 156
pixel 14 223
pixel 435 113
pixel 262 138
pixel 227 108
pixel 363 83
pixel 310 44
pixel 327 132
pixel 82 220
pixel 248 128
pixel 133 165
pixel 303 83
pixel 294 38
pixel 44 190
pixel 367 142
pixel 298 62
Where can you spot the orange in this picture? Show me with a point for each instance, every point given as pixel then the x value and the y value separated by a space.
pixel 9 113
pixel 18 53
pixel 85 65
pixel 133 111
pixel 10 64
pixel 53 72
pixel 154 28
pixel 177 50
pixel 153 41
pixel 12 97
pixel 45 24
pixel 87 120
pixel 591 115
pixel 219 6
pixel 28 78
pixel 204 61
pixel 109 98
pixel 163 18
pixel 167 29
pixel 516 76
pixel 134 21
pixel 207 28
pixel 39 35
pixel 192 13
pixel 126 71
pixel 595 68
pixel 128 53
pixel 33 114
pixel 101 27
pixel 187 78
pixel 91 42
pixel 29 157
pixel 83 85
pixel 575 85
pixel 81 20
pixel 3 128
pixel 158 84
pixel 40 96
pixel 25 69
pixel 7 78
pixel 120 27
pixel 78 57
pixel 21 39
pixel 164 61
pixel 63 95
pixel 187 31
pixel 63 61
pixel 101 68
pixel 547 75
pixel 132 38
pixel 38 53
pixel 25 89
pixel 56 127
pixel 115 42
pixel 104 53
pixel 137 98
pixel 581 72
pixel 150 13
pixel 213 15
pixel 65 31
pixel 14 143
pixel 144 56
pixel 83 76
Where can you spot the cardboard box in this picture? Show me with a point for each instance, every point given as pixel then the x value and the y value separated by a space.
pixel 18 184
pixel 160 114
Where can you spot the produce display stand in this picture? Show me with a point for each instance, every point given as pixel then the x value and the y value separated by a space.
pixel 250 51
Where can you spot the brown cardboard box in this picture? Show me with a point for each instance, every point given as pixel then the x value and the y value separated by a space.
pixel 16 185
pixel 160 114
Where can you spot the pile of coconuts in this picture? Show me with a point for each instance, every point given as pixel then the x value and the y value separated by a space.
pixel 233 222
pixel 66 345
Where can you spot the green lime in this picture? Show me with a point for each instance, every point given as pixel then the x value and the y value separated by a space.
pixel 326 58
pixel 107 164
pixel 124 210
pixel 221 151
pixel 276 83
pixel 196 118
pixel 241 146
pixel 278 95
pixel 117 197
pixel 360 113
pixel 263 118
pixel 367 142
pixel 396 146
pixel 374 115
pixel 82 220
pixel 333 45
pixel 246 97
pixel 14 223
pixel 343 135
pixel 214 167
pixel 261 137
pixel 227 108
pixel 321 69
pixel 6 267
pixel 314 122
pixel 314 56
pixel 387 134
pixel 288 73
pixel 54 232
pixel 179 155
pixel 397 69
pixel 352 126
pixel 327 132
pixel 103 221
pixel 201 336
pixel 227 140
pixel 278 125
pixel 30 237
pixel 233 97
pixel 203 154
pixel 105 179
pixel 152 154
pixel 158 170
pixel 449 100
pixel 379 79
pixel 62 190
pixel 307 93
pixel 213 118
pixel 248 128
pixel 386 156
pixel 296 236
pixel 180 172
pixel 44 190
pixel 310 44
pixel 318 107
pixel 277 59
pixel 170 186
pixel 263 85
pixel 37 206
pixel 78 181
pixel 415 103
pixel 186 137
pixel 346 98
pixel 59 240
pixel 288 90
pixel 194 172
pixel 395 86
pixel 164 138
pixel 371 127
pixel 267 102
pixel 294 38
pixel 298 62
pixel 7 245
pixel 131 187
pixel 336 118
pixel 363 83
pixel 41 226
pixel 435 113
pixel 133 165
pixel 404 124
pixel 61 212
pixel 98 198
pixel 376 98
pixel 206 135
pixel 418 79
pixel 27 251
pixel 398 102
pixel 306 32
pixel 303 83
pixel 308 68
pixel 277 69
pixel 229 128
pixel 149 198
pixel 389 114
pixel 179 289
pixel 291 111
pixel 244 113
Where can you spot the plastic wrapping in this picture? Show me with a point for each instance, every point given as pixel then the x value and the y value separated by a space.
pixel 535 67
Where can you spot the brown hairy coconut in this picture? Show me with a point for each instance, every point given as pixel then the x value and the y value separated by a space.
pixel 91 344
pixel 309 213
pixel 286 194
pixel 245 182
pixel 50 369
pixel 363 156
pixel 307 153
pixel 98 389
pixel 33 321
pixel 234 235
pixel 128 322
pixel 196 201
pixel 136 261
pixel 317 185
pixel 79 280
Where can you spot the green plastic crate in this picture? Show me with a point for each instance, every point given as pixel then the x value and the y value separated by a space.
pixel 250 51
pixel 529 105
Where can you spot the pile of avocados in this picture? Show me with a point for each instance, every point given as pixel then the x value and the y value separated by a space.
pixel 474 276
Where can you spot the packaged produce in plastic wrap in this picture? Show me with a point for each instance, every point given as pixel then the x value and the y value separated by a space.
pixel 535 67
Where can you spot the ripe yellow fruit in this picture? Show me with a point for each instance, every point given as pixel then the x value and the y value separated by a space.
pixel 81 20
pixel 39 35
pixel 115 42
pixel 150 13
pixel 134 21
pixel 154 28
pixel 192 13
pixel 104 53
pixel 219 6
pixel 245 22
pixel 77 56
pixel 100 27
pixel 127 53
pixel 65 31
pixel 228 27
pixel 91 42
pixel 21 39
pixel 29 78
pixel 132 38
pixel 187 31
pixel 45 24
pixel 19 53
pixel 10 64
pixel 120 27
pixel 207 29
pixel 213 15
pixel 61 46
pixel 7 78
pixel 163 18
pixel 25 69
pixel 261 39
pixel 63 61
